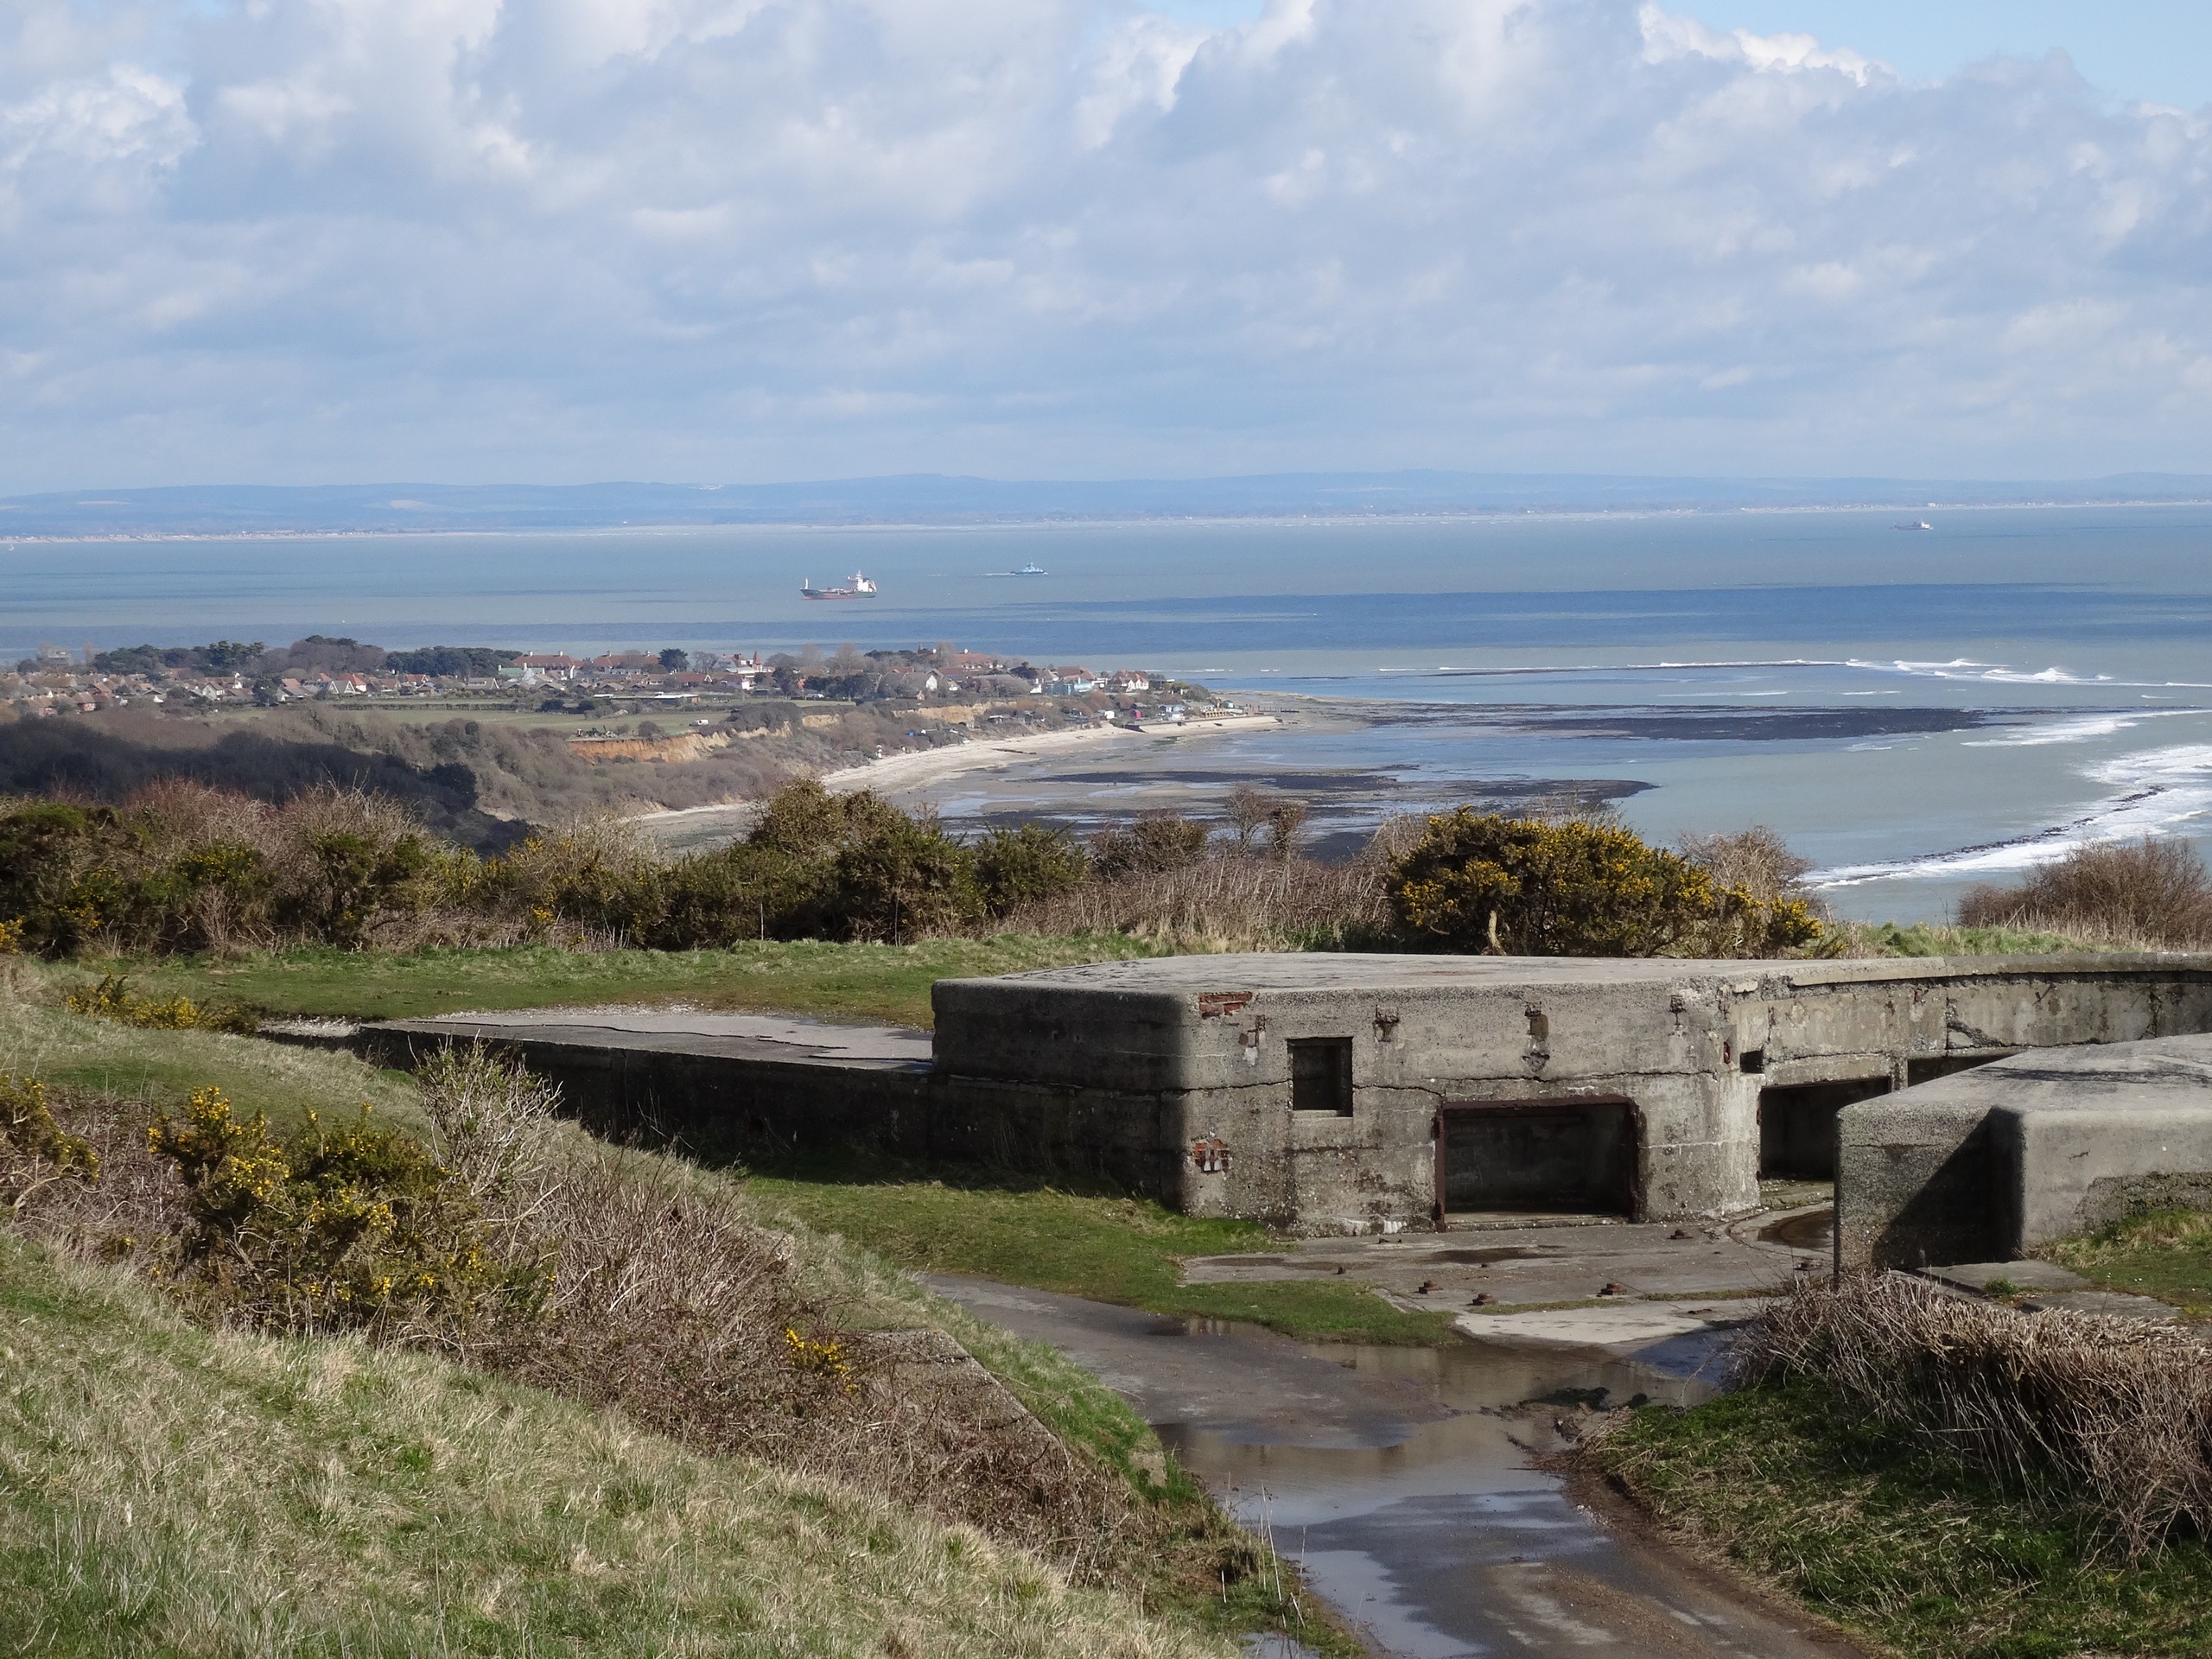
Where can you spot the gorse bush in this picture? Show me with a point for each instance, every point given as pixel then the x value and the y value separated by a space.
pixel 36 1149
pixel 618 1278
pixel 335 1227
pixel 1156 842
pixel 186 868
pixel 113 999
pixel 1478 882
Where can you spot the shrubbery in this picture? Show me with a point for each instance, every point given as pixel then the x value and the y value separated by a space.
pixel 2146 892
pixel 335 1227
pixel 1477 882
pixel 184 867
pixel 113 999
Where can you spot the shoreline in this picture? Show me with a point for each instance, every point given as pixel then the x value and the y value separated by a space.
pixel 919 768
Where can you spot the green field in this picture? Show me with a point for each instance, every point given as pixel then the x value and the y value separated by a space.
pixel 855 982
pixel 1912 1549
pixel 2166 1254
pixel 1108 1247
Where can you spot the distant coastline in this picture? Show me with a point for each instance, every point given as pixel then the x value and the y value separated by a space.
pixel 1562 515
pixel 930 502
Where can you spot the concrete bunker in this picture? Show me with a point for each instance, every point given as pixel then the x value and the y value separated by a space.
pixel 1351 1093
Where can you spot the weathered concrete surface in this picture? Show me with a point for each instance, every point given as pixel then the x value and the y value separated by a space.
pixel 2037 1286
pixel 1202 1053
pixel 1987 1165
pixel 695 1031
pixel 1509 1267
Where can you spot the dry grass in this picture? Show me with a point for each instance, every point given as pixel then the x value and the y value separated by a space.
pixel 165 1489
pixel 672 1305
pixel 2112 1413
pixel 676 1310
pixel 2147 894
pixel 1225 903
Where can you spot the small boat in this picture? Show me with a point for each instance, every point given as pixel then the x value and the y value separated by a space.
pixel 1917 523
pixel 859 588
pixel 1032 570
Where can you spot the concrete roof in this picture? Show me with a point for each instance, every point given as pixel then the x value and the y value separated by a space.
pixel 2154 1073
pixel 1325 970
pixel 689 1031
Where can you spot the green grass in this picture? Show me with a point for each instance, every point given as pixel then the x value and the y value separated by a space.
pixel 1108 1248
pixel 861 982
pixel 171 1490
pixel 1929 939
pixel 162 1067
pixel 1909 1548
pixel 2163 1252
pixel 866 983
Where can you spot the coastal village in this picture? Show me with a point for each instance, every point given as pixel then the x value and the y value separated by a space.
pixel 56 681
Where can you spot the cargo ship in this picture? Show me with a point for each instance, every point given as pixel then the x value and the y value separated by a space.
pixel 859 588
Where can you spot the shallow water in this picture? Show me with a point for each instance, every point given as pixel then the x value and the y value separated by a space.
pixel 2007 684
pixel 1403 1481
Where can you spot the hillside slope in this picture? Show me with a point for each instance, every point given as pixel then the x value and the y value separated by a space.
pixel 169 1490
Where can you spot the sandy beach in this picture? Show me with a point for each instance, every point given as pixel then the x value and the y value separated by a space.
pixel 898 775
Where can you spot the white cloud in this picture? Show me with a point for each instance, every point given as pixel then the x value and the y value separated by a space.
pixel 720 239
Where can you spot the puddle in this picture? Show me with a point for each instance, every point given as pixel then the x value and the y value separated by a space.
pixel 1394 1476
pixel 1499 1253
pixel 1814 1231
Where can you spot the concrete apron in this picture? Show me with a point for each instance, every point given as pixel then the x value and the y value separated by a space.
pixel 1402 1479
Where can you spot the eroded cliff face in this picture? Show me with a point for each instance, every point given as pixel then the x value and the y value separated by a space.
pixel 683 745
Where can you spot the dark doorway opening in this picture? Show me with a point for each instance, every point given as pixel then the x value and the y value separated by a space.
pixel 1797 1126
pixel 1559 1156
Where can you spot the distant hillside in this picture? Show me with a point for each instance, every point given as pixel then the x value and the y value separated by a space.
pixel 932 499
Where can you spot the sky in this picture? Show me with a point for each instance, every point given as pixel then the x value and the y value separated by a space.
pixel 295 241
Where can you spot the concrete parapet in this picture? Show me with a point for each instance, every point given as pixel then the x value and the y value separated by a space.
pixel 1991 1163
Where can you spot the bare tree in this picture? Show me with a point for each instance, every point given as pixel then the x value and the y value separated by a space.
pixel 1249 812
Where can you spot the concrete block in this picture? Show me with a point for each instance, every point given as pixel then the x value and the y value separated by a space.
pixel 1989 1164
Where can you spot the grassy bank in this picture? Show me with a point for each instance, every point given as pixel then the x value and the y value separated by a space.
pixel 172 1491
pixel 860 983
pixel 1185 1540
pixel 1917 1551
pixel 2164 1253
pixel 1110 1247
pixel 834 980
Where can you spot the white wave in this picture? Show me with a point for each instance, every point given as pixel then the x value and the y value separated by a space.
pixel 2078 730
pixel 1969 668
pixel 2159 792
pixel 1973 669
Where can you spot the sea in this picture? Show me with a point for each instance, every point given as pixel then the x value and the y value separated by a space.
pixel 1915 709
